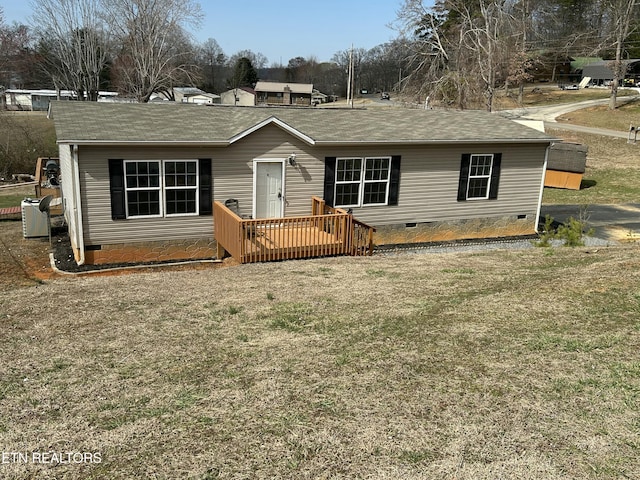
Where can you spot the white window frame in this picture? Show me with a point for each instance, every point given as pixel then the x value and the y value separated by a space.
pixel 128 189
pixel 474 177
pixel 196 188
pixel 162 188
pixel 363 181
pixel 348 182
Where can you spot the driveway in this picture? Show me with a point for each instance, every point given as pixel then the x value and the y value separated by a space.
pixel 548 115
pixel 611 223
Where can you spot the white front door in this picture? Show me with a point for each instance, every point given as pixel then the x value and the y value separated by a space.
pixel 267 190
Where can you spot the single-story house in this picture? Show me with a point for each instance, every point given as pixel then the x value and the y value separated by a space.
pixel 138 180
pixel 318 97
pixel 38 100
pixel 601 72
pixel 240 97
pixel 195 95
pixel 276 93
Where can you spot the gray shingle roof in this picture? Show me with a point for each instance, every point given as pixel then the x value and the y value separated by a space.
pixel 114 123
pixel 274 87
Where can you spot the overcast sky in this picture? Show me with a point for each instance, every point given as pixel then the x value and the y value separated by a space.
pixel 282 29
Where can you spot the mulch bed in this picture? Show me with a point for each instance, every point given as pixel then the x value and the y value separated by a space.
pixel 65 262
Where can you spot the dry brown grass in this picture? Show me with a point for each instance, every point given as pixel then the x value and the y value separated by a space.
pixel 501 364
pixel 550 94
pixel 601 117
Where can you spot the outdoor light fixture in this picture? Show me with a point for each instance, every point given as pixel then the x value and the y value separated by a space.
pixel 292 159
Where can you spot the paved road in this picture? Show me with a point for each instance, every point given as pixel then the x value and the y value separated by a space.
pixel 548 115
pixel 611 223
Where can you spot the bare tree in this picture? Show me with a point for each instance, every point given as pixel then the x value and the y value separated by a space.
pixel 623 18
pixel 155 53
pixel 483 34
pixel 441 66
pixel 258 60
pixel 211 60
pixel 77 44
pixel 342 59
pixel 383 66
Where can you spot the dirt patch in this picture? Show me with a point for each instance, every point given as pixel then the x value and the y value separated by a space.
pixel 26 261
pixel 23 261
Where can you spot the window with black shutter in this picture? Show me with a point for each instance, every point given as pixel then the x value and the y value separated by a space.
pixel 361 181
pixel 160 188
pixel 479 176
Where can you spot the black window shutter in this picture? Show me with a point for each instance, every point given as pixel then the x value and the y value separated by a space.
pixel 329 180
pixel 394 180
pixel 495 176
pixel 464 177
pixel 116 187
pixel 206 187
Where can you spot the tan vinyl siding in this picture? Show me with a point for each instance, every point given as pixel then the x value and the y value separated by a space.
pixel 233 170
pixel 428 183
pixel 100 229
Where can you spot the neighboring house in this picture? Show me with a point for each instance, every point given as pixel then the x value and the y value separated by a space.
pixel 38 100
pixel 195 95
pixel 138 180
pixel 318 97
pixel 601 72
pixel 275 93
pixel 240 97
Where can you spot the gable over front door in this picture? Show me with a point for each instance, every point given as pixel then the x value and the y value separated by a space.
pixel 268 188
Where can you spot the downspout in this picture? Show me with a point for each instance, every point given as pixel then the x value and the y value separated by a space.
pixel 77 205
pixel 544 173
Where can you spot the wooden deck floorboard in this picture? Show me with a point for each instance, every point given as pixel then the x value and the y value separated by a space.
pixel 291 242
pixel 327 231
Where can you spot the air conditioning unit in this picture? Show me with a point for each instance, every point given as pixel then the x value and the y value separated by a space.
pixel 34 222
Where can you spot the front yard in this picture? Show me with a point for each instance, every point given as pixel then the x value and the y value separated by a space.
pixel 500 364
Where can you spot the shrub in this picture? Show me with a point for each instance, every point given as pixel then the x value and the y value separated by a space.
pixel 571 233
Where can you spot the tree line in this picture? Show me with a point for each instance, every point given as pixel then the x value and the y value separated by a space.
pixel 454 52
pixel 463 50
pixel 143 47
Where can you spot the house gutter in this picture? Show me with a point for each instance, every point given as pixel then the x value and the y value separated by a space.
pixel 77 210
pixel 320 143
pixel 544 172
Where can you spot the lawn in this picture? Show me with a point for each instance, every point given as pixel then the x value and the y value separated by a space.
pixel 549 94
pixel 25 136
pixel 619 119
pixel 11 200
pixel 501 364
pixel 467 365
pixel 13 196
pixel 612 174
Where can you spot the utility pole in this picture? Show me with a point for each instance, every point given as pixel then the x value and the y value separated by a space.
pixel 350 79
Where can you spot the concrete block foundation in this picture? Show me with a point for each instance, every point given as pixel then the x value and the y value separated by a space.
pixel 151 252
pixel 455 230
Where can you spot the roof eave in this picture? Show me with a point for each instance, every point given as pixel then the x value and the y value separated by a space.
pixel 319 143
pixel 331 143
pixel 152 143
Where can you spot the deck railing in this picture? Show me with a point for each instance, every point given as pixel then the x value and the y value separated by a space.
pixel 327 231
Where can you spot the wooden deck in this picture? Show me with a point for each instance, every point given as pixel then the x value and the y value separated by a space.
pixel 326 232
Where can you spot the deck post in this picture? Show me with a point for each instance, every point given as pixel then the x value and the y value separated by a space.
pixel 220 251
